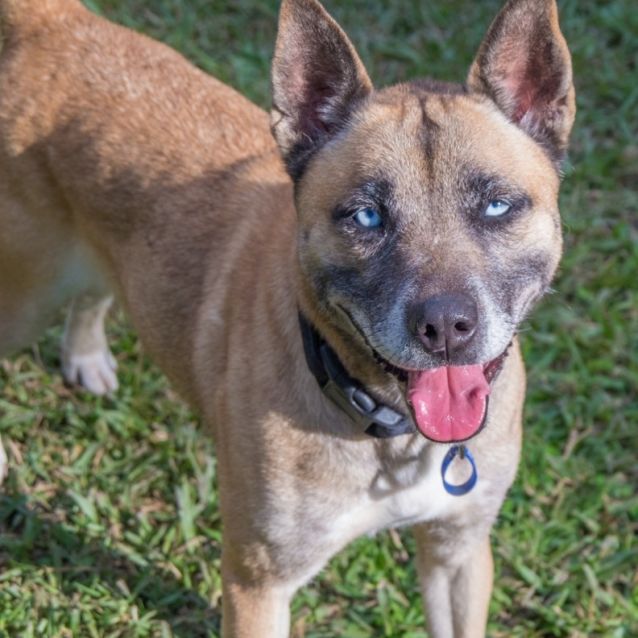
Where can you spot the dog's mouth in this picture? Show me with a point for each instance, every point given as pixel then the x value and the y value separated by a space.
pixel 449 403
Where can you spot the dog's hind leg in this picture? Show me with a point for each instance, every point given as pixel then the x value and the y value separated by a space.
pixel 86 358
pixel 456 578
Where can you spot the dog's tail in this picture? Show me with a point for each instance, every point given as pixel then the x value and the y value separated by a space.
pixel 18 14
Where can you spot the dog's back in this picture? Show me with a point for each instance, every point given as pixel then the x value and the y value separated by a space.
pixel 142 187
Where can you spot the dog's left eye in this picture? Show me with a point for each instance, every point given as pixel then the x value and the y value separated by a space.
pixel 368 218
pixel 497 208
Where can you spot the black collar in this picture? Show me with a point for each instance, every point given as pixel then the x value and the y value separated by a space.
pixel 377 420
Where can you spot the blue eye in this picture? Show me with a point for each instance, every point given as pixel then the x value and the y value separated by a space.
pixel 497 208
pixel 368 218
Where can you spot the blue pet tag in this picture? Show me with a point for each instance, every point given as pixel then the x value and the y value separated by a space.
pixel 464 488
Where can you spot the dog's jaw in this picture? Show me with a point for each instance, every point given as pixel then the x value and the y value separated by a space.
pixel 447 403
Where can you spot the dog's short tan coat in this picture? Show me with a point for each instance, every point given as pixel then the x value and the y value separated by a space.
pixel 123 168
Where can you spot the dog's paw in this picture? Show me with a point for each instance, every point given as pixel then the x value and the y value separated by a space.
pixel 94 371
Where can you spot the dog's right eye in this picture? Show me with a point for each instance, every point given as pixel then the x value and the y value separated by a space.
pixel 368 218
pixel 497 208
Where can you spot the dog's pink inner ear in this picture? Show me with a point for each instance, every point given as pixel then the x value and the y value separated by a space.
pixel 316 95
pixel 525 67
pixel 317 78
pixel 533 79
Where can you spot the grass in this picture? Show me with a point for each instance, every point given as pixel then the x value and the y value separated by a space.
pixel 108 521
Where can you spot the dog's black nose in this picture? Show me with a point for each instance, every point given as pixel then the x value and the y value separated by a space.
pixel 445 323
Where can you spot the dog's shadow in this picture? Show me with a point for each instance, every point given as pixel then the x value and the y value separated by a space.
pixel 78 562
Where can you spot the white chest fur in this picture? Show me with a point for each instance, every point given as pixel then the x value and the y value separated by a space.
pixel 406 492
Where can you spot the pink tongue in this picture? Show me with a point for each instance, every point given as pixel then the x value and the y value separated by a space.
pixel 449 402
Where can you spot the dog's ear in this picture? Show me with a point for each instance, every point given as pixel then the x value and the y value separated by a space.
pixel 524 66
pixel 317 79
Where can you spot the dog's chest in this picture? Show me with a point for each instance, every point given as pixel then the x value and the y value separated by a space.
pixel 421 500
pixel 405 493
pixel 406 496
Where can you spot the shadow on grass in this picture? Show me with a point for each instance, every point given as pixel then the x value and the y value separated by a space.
pixel 28 539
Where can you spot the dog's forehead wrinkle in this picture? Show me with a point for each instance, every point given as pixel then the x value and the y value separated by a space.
pixel 429 138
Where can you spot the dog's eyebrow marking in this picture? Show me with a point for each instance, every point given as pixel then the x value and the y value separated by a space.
pixel 378 189
pixel 480 183
pixel 372 192
pixel 478 188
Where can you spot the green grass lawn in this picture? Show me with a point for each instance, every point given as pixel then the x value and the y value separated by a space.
pixel 108 521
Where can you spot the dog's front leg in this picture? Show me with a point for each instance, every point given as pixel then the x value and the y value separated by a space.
pixel 456 582
pixel 86 358
pixel 252 609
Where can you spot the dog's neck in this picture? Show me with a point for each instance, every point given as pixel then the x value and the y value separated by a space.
pixel 376 419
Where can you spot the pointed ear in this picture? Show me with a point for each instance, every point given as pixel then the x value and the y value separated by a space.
pixel 317 80
pixel 524 66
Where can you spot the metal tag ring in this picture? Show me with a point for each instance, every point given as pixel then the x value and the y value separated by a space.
pixel 464 488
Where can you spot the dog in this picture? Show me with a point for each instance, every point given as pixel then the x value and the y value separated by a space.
pixel 339 300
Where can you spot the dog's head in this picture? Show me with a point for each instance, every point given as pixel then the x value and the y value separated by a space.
pixel 428 218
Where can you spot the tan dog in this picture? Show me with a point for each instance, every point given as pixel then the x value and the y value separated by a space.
pixel 419 227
